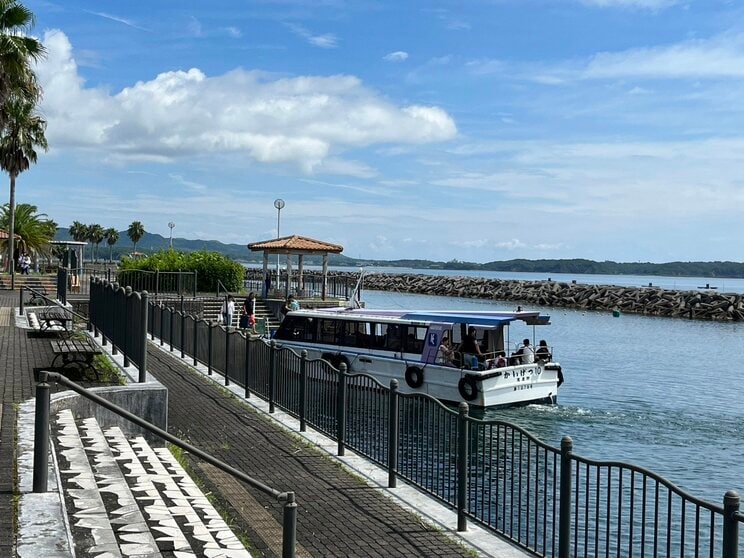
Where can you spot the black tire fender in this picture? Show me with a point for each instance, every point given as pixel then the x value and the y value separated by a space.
pixel 414 376
pixel 468 387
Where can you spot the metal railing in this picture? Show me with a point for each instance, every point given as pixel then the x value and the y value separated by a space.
pixel 311 286
pixel 547 500
pixel 41 452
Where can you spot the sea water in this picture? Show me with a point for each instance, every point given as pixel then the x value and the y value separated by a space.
pixel 665 394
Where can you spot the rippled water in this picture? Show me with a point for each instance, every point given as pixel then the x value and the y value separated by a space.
pixel 661 393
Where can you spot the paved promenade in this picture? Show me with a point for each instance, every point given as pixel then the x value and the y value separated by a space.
pixel 339 514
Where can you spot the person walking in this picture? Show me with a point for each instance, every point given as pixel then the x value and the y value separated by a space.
pixel 248 315
pixel 227 311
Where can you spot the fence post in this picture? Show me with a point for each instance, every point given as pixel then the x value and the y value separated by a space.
pixel 195 277
pixel 178 286
pixel 462 466
pixel 227 356
pixel 272 374
pixel 393 434
pixel 157 282
pixel 341 410
pixel 20 302
pixel 303 390
pixel 183 330
pixel 170 333
pixel 151 307
pixel 196 338
pixel 289 527
pixel 730 524
pixel 564 532
pixel 125 333
pixel 143 355
pixel 247 391
pixel 109 308
pixel 209 348
pixel 41 435
pixel 161 308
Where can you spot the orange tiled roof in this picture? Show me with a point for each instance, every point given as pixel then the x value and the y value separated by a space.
pixel 295 243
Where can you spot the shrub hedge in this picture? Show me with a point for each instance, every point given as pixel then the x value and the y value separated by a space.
pixel 209 267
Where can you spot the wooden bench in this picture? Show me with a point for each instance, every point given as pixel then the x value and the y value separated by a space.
pixel 74 354
pixel 53 320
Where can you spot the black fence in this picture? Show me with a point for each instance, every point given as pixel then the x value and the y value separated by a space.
pixel 549 501
pixel 175 283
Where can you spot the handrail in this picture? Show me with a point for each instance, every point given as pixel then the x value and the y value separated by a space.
pixel 221 287
pixel 45 297
pixel 42 439
pixel 356 293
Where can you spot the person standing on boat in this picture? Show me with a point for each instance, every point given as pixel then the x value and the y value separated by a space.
pixel 470 350
pixel 528 353
pixel 543 353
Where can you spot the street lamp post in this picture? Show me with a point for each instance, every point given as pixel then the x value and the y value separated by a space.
pixel 279 204
pixel 171 225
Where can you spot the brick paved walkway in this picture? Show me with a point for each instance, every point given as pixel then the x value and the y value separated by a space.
pixel 19 354
pixel 339 514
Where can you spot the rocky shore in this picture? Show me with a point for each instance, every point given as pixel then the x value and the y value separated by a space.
pixel 697 305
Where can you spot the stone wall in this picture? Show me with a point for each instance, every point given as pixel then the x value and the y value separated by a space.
pixel 699 305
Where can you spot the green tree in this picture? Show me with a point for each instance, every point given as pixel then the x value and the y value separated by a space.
pixel 135 232
pixel 96 235
pixel 79 233
pixel 112 237
pixel 23 133
pixel 34 229
pixel 18 52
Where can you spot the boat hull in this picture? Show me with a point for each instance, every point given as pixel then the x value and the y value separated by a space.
pixel 509 386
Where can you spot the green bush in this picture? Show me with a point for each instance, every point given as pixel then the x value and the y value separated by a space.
pixel 209 267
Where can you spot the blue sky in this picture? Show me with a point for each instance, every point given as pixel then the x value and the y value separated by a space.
pixel 476 130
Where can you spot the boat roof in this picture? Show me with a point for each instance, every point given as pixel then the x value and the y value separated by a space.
pixel 484 319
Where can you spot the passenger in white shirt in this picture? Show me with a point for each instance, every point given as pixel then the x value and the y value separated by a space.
pixel 528 353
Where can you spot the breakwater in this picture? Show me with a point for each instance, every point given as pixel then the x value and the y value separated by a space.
pixel 698 305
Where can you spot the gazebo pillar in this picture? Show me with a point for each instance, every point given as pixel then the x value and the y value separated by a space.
pixel 300 282
pixel 289 275
pixel 265 289
pixel 325 274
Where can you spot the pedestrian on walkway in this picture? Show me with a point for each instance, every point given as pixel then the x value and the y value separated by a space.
pixel 227 311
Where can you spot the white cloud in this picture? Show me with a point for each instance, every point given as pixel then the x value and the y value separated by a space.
pixel 326 40
pixel 117 19
pixel 397 56
pixel 719 57
pixel 305 121
pixel 647 4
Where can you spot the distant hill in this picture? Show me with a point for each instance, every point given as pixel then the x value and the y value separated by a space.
pixel 239 252
pixel 151 242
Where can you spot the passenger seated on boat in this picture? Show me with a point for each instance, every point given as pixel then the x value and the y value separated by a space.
pixel 516 357
pixel 499 361
pixel 543 353
pixel 446 353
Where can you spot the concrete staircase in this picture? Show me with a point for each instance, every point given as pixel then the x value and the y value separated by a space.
pixel 212 310
pixel 44 283
pixel 127 499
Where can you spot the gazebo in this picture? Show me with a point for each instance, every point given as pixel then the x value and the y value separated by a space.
pixel 300 246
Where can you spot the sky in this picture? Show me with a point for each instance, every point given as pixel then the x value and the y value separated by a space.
pixel 475 130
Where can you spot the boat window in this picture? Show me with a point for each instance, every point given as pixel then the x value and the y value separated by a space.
pixel 377 339
pixel 328 331
pixel 414 340
pixel 393 336
pixel 296 328
pixel 355 334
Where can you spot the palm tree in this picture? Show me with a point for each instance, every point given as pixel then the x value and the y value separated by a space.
pixel 96 236
pixel 23 133
pixel 135 232
pixel 79 233
pixel 18 52
pixel 112 237
pixel 34 230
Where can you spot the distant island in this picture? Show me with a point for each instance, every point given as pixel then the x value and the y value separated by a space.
pixel 154 242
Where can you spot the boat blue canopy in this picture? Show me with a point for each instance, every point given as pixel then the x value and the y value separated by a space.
pixel 488 319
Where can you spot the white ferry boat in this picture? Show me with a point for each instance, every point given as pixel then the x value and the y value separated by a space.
pixel 408 346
